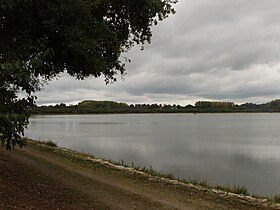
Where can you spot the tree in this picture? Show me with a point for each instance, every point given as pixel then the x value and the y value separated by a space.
pixel 40 39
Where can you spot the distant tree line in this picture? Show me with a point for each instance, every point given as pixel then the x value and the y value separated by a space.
pixel 103 107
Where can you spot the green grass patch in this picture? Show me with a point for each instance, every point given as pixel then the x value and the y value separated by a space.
pixel 198 182
pixel 273 199
pixel 153 172
pixel 237 189
pixel 49 143
pixel 276 198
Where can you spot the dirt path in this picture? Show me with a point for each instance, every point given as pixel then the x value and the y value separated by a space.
pixel 40 177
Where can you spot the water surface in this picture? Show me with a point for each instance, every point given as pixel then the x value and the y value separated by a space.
pixel 227 149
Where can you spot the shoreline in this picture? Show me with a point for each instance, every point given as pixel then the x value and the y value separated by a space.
pixel 136 113
pixel 169 178
pixel 89 166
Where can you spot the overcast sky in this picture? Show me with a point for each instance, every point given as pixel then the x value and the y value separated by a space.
pixel 221 50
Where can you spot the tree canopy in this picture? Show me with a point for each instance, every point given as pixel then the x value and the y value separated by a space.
pixel 40 39
pixel 105 107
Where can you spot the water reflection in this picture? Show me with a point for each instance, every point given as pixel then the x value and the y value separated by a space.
pixel 222 148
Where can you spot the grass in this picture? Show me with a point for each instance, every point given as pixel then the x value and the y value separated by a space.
pixel 49 143
pixel 237 189
pixel 240 190
pixel 276 198
pixel 273 199
pixel 154 172
pixel 149 170
pixel 198 182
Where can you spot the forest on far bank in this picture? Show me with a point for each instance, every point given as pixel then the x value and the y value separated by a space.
pixel 103 107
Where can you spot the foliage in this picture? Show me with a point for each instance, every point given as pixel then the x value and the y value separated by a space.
pixel 275 104
pixel 215 104
pixel 13 118
pixel 40 39
pixel 90 104
pixel 103 107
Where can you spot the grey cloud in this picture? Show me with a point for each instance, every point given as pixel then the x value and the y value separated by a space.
pixel 214 50
pixel 243 38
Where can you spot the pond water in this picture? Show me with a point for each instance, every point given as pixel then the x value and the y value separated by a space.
pixel 226 149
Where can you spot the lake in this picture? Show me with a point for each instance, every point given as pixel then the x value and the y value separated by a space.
pixel 226 149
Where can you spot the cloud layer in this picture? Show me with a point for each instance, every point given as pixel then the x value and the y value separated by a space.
pixel 210 50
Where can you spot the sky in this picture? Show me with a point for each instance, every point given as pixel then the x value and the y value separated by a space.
pixel 218 50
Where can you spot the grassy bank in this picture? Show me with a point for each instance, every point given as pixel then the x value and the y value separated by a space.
pixel 150 173
pixel 93 183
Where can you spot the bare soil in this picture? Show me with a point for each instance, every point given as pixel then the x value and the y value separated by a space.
pixel 41 177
